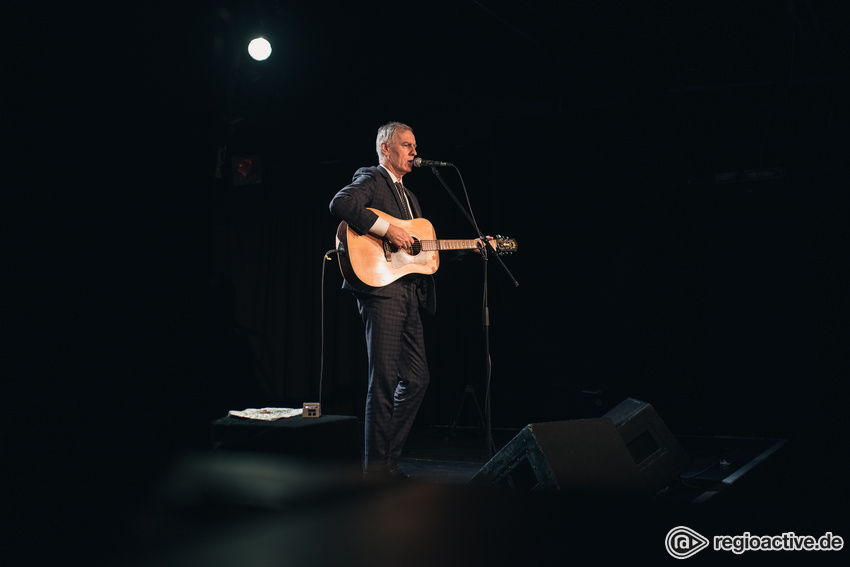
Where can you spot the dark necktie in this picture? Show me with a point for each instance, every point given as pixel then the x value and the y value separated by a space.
pixel 401 193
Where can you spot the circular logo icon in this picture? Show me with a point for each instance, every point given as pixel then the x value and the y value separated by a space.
pixel 683 542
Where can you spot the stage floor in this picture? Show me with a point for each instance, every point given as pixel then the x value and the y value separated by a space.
pixel 217 507
pixel 734 484
pixel 446 455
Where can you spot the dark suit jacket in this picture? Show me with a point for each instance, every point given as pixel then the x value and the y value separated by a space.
pixel 373 187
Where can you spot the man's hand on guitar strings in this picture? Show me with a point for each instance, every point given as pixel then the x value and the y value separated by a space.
pixel 399 237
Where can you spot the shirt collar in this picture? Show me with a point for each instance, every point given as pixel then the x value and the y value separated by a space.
pixel 392 175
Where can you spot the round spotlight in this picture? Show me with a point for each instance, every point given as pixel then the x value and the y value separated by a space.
pixel 259 49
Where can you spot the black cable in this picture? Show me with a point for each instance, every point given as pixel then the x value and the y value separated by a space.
pixel 326 258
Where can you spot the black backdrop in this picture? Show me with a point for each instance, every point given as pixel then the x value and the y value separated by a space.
pixel 639 273
pixel 149 297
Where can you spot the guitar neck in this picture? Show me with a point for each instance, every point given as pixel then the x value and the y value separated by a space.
pixel 448 244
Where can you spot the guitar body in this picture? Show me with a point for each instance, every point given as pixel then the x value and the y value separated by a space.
pixel 368 262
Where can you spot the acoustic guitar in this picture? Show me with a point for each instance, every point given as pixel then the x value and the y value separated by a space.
pixel 367 261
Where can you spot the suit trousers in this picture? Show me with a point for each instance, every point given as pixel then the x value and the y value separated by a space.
pixel 398 371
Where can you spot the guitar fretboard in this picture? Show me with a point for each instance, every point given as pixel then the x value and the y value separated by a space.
pixel 429 245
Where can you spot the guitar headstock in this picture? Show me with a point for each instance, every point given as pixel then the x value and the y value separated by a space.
pixel 504 245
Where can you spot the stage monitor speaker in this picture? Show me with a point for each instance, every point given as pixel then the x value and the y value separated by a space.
pixel 584 455
pixel 656 452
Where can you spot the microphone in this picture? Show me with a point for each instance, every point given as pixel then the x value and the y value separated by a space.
pixel 419 162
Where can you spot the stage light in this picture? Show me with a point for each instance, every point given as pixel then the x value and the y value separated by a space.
pixel 259 49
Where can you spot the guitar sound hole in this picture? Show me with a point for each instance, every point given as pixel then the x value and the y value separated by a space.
pixel 416 248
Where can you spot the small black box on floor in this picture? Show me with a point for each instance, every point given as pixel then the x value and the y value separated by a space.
pixel 583 455
pixel 655 450
pixel 329 437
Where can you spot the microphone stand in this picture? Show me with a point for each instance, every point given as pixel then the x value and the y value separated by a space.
pixel 491 450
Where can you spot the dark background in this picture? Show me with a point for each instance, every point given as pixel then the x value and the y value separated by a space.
pixel 151 295
pixel 593 135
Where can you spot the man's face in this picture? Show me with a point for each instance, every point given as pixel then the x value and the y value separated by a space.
pixel 399 153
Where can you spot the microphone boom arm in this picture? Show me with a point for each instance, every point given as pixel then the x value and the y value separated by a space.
pixel 471 221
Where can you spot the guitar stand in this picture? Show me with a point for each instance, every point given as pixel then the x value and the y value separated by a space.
pixel 468 391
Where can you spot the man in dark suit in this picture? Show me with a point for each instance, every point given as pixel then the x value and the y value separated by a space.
pixel 398 369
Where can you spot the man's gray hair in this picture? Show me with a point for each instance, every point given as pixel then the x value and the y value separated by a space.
pixel 387 132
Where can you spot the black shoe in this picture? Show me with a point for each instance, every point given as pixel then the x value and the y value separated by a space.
pixel 396 474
